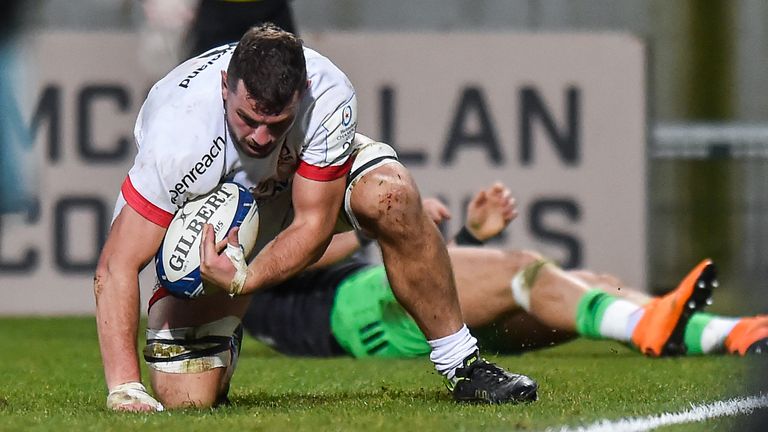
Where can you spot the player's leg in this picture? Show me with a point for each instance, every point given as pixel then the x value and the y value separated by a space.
pixel 384 202
pixel 484 283
pixel 192 348
pixel 517 332
pixel 705 333
pixel 387 205
pixel 655 327
pixel 565 302
pixel 612 285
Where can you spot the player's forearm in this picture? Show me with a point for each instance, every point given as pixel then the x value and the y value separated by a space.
pixel 293 250
pixel 117 315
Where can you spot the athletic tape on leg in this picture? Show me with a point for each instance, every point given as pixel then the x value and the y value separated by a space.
pixel 193 349
pixel 237 256
pixel 523 281
pixel 521 292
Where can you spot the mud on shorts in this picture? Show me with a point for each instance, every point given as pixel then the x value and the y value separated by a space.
pixel 195 349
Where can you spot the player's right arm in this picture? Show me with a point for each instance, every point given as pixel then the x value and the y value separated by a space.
pixel 132 242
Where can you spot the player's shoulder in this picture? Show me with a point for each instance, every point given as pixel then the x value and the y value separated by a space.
pixel 195 75
pixel 180 132
pixel 184 110
pixel 192 88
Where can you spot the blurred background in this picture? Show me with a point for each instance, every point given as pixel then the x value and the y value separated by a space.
pixel 73 74
pixel 706 128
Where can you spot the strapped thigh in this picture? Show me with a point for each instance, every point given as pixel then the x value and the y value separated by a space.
pixel 194 349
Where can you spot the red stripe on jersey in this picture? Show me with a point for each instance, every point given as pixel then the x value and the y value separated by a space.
pixel 331 172
pixel 145 208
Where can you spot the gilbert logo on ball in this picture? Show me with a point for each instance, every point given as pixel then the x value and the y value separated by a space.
pixel 178 259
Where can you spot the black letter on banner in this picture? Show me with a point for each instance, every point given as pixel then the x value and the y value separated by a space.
pixel 538 211
pixel 49 109
pixel 31 256
pixel 566 141
pixel 84 142
pixel 387 113
pixel 472 101
pixel 61 237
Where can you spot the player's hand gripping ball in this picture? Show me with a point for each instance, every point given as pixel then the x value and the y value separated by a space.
pixel 178 259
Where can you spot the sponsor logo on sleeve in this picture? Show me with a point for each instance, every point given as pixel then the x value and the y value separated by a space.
pixel 214 55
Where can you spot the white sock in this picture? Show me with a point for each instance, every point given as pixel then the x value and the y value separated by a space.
pixel 620 319
pixel 716 331
pixel 448 352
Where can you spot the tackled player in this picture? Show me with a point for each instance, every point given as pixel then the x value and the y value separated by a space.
pixel 347 308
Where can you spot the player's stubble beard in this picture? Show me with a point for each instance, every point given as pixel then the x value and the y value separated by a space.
pixel 249 147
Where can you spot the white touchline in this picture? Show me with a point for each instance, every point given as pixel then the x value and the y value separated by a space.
pixel 697 413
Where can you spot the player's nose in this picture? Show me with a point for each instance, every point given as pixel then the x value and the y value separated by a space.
pixel 260 135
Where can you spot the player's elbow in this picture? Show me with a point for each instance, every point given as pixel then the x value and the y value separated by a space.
pixel 317 246
pixel 106 273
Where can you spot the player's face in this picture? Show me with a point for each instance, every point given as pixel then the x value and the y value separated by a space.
pixel 257 134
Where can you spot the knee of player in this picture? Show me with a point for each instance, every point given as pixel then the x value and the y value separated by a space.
pixel 188 370
pixel 521 258
pixel 390 204
pixel 173 398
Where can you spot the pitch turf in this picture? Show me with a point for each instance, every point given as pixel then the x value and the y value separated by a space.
pixel 51 379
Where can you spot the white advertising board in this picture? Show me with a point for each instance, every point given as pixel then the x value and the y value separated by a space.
pixel 559 118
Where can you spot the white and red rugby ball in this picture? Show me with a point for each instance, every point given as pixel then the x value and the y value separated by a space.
pixel 178 259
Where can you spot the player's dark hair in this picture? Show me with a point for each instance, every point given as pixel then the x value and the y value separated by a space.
pixel 270 61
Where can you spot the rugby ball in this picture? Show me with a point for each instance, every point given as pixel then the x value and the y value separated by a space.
pixel 178 259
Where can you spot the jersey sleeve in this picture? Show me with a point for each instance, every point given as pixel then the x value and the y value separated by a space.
pixel 144 206
pixel 145 190
pixel 149 186
pixel 327 153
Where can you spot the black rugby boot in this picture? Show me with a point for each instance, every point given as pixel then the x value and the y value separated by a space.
pixel 481 381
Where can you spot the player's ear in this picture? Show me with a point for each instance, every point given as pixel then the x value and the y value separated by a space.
pixel 224 85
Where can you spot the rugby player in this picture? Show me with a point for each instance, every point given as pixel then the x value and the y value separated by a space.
pixel 281 120
pixel 348 308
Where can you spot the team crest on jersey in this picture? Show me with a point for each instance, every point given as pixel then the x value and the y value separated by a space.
pixel 346 115
pixel 341 125
pixel 287 162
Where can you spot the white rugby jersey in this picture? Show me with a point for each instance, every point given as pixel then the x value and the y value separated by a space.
pixel 184 148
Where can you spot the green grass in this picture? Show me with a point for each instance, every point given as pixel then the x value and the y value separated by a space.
pixel 51 379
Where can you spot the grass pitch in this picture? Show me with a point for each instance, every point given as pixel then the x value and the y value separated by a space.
pixel 51 379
